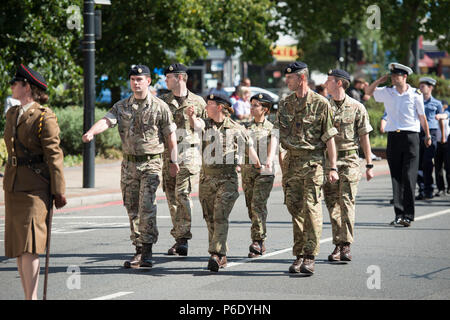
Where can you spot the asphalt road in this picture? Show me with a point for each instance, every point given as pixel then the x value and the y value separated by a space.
pixel 89 246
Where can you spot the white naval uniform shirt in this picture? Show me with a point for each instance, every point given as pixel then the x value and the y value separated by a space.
pixel 402 110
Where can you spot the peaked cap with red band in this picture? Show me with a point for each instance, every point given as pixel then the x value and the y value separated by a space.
pixel 27 74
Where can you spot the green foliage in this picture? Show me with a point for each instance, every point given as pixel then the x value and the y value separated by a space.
pixel 3 153
pixel 159 32
pixel 35 33
pixel 317 23
pixel 70 121
pixel 440 91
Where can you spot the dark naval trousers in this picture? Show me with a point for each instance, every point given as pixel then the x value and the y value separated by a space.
pixel 403 158
pixel 426 165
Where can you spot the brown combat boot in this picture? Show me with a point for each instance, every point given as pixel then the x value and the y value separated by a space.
pixel 146 256
pixel 295 267
pixel 257 249
pixel 345 252
pixel 217 261
pixel 134 262
pixel 336 254
pixel 307 265
pixel 180 247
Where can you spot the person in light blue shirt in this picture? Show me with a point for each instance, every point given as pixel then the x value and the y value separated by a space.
pixel 426 164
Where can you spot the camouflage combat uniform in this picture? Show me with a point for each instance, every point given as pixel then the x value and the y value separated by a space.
pixel 218 188
pixel 304 127
pixel 143 127
pixel 351 120
pixel 257 186
pixel 178 188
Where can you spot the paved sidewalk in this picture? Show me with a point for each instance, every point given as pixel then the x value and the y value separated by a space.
pixel 107 184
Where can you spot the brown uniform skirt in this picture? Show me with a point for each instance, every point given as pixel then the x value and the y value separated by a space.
pixel 25 222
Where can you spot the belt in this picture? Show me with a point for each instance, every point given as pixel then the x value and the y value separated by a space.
pixel 16 161
pixel 219 171
pixel 143 158
pixel 192 145
pixel 304 152
pixel 345 153
pixel 402 131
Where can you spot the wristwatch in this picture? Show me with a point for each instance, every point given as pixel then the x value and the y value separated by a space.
pixel 369 166
pixel 334 169
pixel 174 162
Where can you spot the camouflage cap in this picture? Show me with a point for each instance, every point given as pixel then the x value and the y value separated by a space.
pixel 295 66
pixel 338 73
pixel 220 98
pixel 175 68
pixel 29 75
pixel 139 70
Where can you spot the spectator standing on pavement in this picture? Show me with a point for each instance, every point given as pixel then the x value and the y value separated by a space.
pixel 33 175
pixel 304 121
pixel 351 119
pixel 179 188
pixel 145 123
pixel 242 105
pixel 427 154
pixel 218 89
pixel 405 114
pixel 224 141
pixel 257 185
pixel 356 91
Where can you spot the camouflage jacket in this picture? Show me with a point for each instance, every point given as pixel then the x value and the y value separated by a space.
pixel 143 126
pixel 224 144
pixel 351 120
pixel 260 133
pixel 306 124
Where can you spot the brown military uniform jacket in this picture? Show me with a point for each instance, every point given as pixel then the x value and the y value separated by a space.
pixel 27 194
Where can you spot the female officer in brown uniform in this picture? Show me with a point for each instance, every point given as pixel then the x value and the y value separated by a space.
pixel 33 173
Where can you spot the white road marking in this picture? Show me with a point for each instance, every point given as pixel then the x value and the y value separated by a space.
pixel 113 296
pixel 233 264
pixel 432 215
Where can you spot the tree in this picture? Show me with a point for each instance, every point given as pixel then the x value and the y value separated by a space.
pixel 317 23
pixel 159 32
pixel 35 33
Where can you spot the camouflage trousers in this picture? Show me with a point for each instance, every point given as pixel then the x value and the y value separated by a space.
pixel 217 194
pixel 139 182
pixel 340 199
pixel 178 193
pixel 257 189
pixel 302 183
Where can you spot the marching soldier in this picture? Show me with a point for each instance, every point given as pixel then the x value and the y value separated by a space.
pixel 257 185
pixel 224 141
pixel 352 122
pixel 178 188
pixel 144 123
pixel 304 121
pixel 33 175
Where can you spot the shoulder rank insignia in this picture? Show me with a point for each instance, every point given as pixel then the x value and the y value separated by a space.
pixel 418 91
